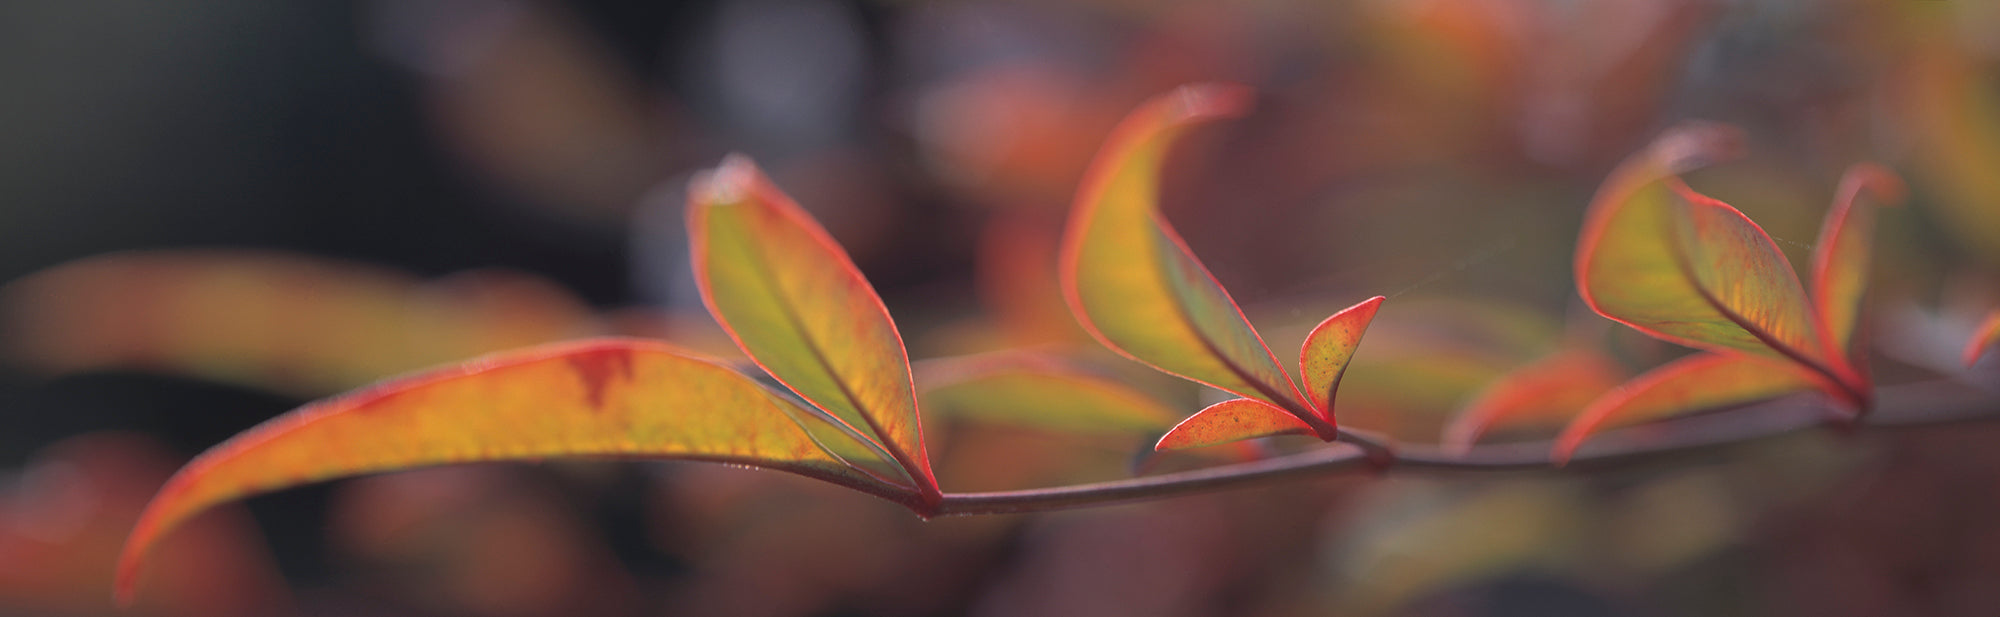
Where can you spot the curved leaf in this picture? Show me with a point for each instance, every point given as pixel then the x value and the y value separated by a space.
pixel 1689 269
pixel 624 398
pixel 1983 338
pixel 1043 394
pixel 1323 357
pixel 793 300
pixel 1131 281
pixel 1232 420
pixel 1690 384
pixel 1842 256
pixel 1549 392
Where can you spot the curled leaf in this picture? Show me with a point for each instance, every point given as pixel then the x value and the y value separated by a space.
pixel 624 398
pixel 1232 420
pixel 1694 383
pixel 1132 282
pixel 1844 251
pixel 1042 394
pixel 1985 337
pixel 793 300
pixel 1549 392
pixel 1324 356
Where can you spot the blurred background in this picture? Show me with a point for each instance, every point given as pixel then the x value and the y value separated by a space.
pixel 212 211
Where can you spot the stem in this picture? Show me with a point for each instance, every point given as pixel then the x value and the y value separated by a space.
pixel 1905 406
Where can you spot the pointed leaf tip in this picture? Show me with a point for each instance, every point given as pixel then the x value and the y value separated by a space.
pixel 1232 420
pixel 793 300
pixel 1134 285
pixel 1324 357
pixel 624 398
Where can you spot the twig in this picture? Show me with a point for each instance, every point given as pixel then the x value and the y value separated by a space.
pixel 1905 406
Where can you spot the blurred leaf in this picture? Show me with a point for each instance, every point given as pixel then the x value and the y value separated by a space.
pixel 1844 253
pixel 1042 393
pixel 607 398
pixel 1951 107
pixel 1324 356
pixel 1550 392
pixel 1135 286
pixel 1694 383
pixel 1232 420
pixel 291 323
pixel 793 300
pixel 1689 269
pixel 1983 338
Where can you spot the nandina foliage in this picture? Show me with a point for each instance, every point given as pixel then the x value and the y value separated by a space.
pixel 1135 286
pixel 1985 337
pixel 1689 269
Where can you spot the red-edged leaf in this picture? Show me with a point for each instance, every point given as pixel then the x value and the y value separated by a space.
pixel 793 300
pixel 1844 252
pixel 1690 384
pixel 1689 269
pixel 1550 392
pixel 1985 337
pixel 1132 282
pixel 1323 357
pixel 623 398
pixel 1232 420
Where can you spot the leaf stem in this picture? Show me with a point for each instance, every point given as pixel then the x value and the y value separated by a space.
pixel 1904 406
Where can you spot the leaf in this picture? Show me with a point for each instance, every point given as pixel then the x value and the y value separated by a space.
pixel 291 323
pixel 1549 392
pixel 624 398
pixel 1690 384
pixel 1131 281
pixel 1323 357
pixel 1043 394
pixel 1842 256
pixel 1985 337
pixel 1232 420
pixel 1689 269
pixel 793 300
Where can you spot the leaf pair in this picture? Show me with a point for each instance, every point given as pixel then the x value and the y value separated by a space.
pixel 1686 268
pixel 1135 286
pixel 786 293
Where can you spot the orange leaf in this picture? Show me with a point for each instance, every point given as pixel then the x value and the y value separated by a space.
pixel 1549 392
pixel 1983 338
pixel 1132 282
pixel 1844 251
pixel 1232 420
pixel 793 300
pixel 1323 357
pixel 623 398
pixel 1689 269
pixel 1690 384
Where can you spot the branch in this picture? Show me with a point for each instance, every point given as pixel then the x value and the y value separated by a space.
pixel 1905 406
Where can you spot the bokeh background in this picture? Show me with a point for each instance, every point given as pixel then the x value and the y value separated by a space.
pixel 212 211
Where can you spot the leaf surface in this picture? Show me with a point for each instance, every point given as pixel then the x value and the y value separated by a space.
pixel 1985 337
pixel 1694 383
pixel 1844 252
pixel 793 300
pixel 1324 356
pixel 624 398
pixel 1689 269
pixel 1232 420
pixel 1044 394
pixel 1132 282
pixel 1549 392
